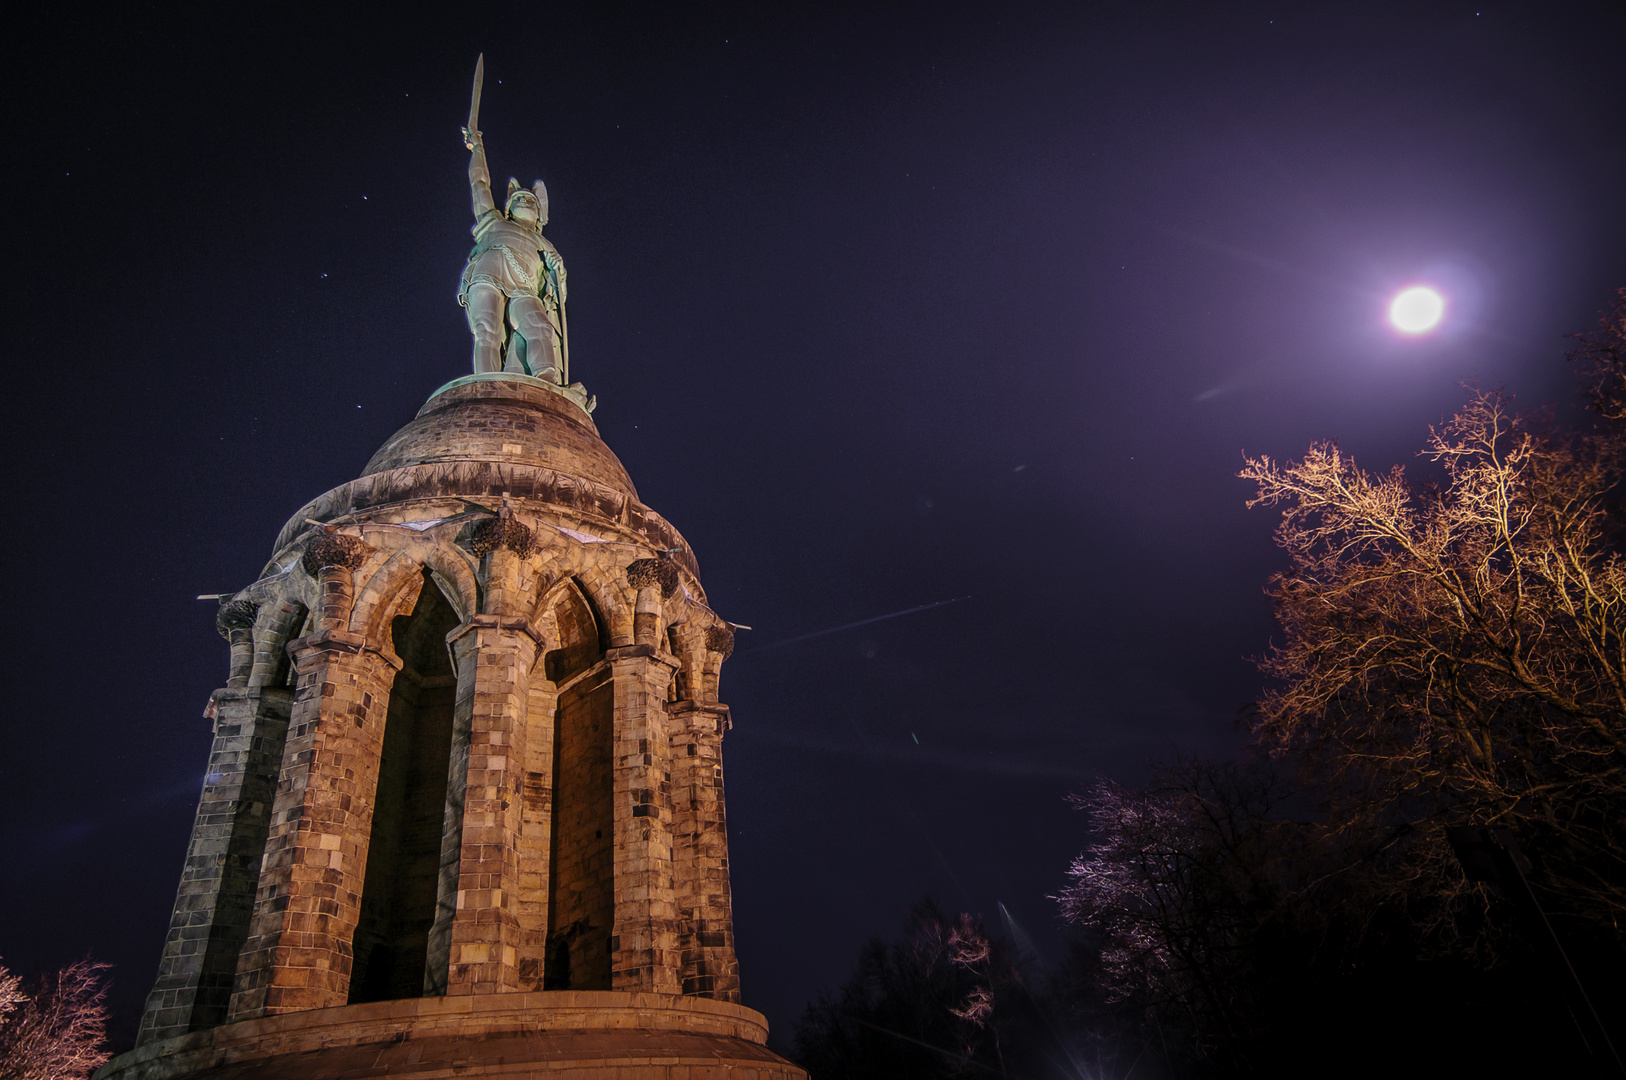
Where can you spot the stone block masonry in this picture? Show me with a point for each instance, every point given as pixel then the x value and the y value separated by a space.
pixel 215 901
pixel 469 749
pixel 309 896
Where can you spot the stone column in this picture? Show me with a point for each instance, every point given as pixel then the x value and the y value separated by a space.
pixel 235 623
pixel 475 944
pixel 656 580
pixel 215 901
pixel 493 656
pixel 719 642
pixel 305 911
pixel 644 946
pixel 536 831
pixel 700 857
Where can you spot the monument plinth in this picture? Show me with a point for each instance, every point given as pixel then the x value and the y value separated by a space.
pixel 463 813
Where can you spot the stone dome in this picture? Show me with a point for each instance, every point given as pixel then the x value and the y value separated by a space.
pixel 483 436
pixel 504 418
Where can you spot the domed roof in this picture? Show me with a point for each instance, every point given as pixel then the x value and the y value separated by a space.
pixel 484 436
pixel 504 418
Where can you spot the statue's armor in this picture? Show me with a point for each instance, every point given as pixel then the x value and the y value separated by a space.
pixel 507 255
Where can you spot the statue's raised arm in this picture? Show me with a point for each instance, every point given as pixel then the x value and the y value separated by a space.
pixel 479 172
pixel 479 176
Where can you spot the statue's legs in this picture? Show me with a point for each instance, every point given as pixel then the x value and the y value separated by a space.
pixel 513 357
pixel 485 308
pixel 529 318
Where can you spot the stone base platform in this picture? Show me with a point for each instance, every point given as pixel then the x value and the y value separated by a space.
pixel 553 1035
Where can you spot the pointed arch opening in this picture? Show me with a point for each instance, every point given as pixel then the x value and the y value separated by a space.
pixel 581 882
pixel 398 896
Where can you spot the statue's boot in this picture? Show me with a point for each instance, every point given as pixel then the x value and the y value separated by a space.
pixel 514 357
pixel 518 359
pixel 487 357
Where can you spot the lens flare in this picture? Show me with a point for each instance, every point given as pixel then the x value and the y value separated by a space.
pixel 1416 310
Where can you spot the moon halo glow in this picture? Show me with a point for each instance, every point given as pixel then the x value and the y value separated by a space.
pixel 1416 310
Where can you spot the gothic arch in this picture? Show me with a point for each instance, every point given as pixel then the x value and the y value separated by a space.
pixel 387 577
pixel 281 617
pixel 401 880
pixel 455 579
pixel 576 634
pixel 606 588
pixel 391 590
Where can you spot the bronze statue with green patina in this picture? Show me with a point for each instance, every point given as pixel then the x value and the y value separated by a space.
pixel 513 286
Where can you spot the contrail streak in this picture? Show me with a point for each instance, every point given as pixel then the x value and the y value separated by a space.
pixel 853 625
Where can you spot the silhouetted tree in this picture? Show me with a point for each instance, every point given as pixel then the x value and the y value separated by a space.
pixel 54 1028
pixel 1602 356
pixel 1186 884
pixel 944 1000
pixel 1227 938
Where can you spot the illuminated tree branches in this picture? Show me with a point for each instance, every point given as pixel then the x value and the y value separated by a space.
pixel 1457 652
pixel 54 1029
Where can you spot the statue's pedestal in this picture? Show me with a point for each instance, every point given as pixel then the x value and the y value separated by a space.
pixel 558 1034
pixel 575 392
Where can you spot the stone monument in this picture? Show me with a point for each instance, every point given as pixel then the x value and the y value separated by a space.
pixel 463 812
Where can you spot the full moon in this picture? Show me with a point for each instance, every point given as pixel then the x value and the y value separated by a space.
pixel 1416 310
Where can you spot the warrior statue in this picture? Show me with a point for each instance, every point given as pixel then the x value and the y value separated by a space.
pixel 513 287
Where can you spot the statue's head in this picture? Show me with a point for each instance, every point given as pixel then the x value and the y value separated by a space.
pixel 529 206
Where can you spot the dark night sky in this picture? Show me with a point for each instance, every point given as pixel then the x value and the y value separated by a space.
pixel 882 308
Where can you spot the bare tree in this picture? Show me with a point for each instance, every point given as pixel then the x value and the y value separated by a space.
pixel 1456 653
pixel 56 1028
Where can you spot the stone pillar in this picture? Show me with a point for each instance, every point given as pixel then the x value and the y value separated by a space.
pixel 656 580
pixel 493 656
pixel 644 948
pixel 235 622
pixel 719 647
pixel 305 911
pixel 280 622
pixel 439 949
pixel 215 901
pixel 336 597
pixel 700 856
pixel 536 831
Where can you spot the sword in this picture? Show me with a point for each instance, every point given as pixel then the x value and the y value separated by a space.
pixel 474 101
pixel 564 345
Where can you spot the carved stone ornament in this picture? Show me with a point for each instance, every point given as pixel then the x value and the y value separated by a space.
pixel 235 615
pixel 493 533
pixel 334 549
pixel 643 573
pixel 720 639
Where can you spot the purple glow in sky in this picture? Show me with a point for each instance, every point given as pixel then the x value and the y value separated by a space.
pixel 882 304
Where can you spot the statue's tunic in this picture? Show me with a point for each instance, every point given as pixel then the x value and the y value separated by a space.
pixel 515 259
